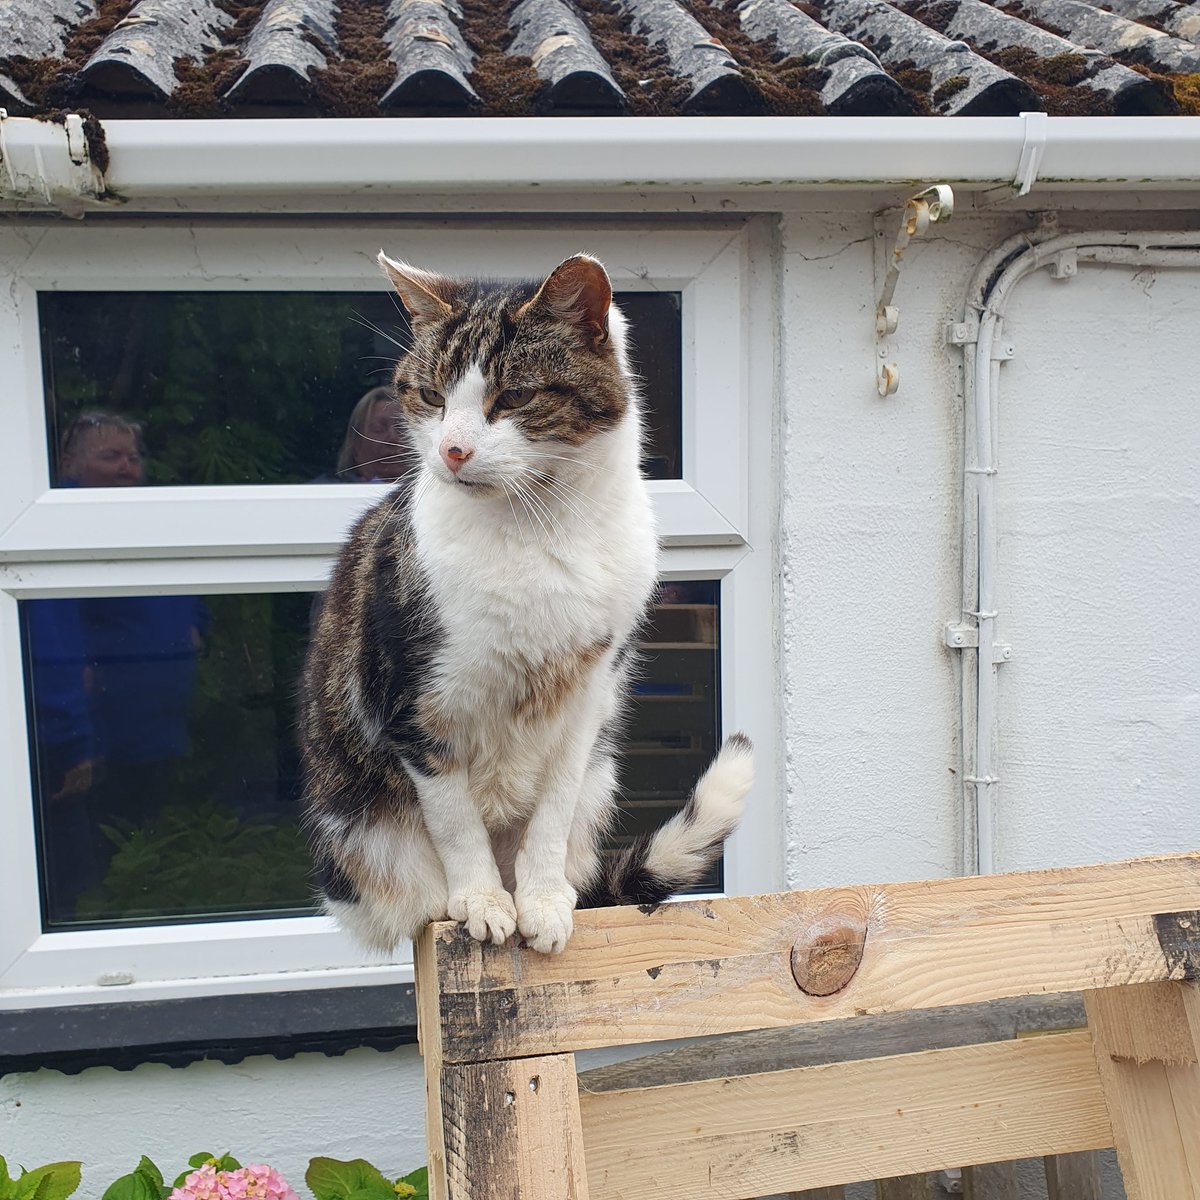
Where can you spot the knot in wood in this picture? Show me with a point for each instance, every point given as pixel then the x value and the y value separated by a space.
pixel 827 955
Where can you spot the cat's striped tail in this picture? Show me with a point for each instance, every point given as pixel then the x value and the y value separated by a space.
pixel 677 854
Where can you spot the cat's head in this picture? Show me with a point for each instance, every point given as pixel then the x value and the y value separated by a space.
pixel 508 383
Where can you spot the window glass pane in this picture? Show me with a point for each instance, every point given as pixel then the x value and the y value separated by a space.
pixel 674 722
pixel 165 769
pixel 263 387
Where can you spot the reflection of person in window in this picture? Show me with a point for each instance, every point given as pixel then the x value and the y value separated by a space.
pixel 375 448
pixel 143 649
pixel 64 749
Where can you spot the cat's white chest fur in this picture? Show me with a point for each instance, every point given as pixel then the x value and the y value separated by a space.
pixel 521 601
pixel 519 595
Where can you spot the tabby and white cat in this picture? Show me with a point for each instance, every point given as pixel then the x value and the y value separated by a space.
pixel 462 695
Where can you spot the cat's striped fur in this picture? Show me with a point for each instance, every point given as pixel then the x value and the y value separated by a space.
pixel 468 670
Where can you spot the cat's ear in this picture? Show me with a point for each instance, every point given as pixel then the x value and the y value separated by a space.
pixel 577 291
pixel 425 296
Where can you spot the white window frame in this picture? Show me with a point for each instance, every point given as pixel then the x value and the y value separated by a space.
pixel 196 540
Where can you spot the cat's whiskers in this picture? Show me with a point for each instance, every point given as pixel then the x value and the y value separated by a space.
pixel 555 534
pixel 555 488
pixel 516 520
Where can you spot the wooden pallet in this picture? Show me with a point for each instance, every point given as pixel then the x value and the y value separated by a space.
pixel 506 1116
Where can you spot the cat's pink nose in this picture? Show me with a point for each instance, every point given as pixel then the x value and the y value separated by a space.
pixel 454 456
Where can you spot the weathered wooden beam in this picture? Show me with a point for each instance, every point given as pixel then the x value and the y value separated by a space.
pixel 842 1041
pixel 822 1126
pixel 725 966
pixel 992 1181
pixel 903 1187
pixel 512 1131
pixel 1074 1176
pixel 1147 1046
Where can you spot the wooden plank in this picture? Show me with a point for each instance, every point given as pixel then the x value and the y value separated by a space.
pixel 513 1131
pixel 722 966
pixel 1074 1176
pixel 430 1044
pixel 842 1041
pixel 1144 1038
pixel 820 1126
pixel 905 1187
pixel 992 1181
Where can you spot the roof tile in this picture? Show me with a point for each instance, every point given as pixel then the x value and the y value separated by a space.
pixel 511 57
pixel 1125 91
pixel 290 39
pixel 960 81
pixel 693 55
pixel 138 57
pixel 1111 33
pixel 551 34
pixel 857 83
pixel 433 60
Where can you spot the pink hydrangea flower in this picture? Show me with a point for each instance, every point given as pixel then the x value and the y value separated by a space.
pixel 254 1182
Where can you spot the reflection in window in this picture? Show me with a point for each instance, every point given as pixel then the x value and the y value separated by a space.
pixel 265 387
pixel 165 770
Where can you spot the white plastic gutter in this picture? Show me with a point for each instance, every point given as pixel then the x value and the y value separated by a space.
pixel 990 290
pixel 189 160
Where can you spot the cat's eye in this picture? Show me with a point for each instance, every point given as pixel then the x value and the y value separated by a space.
pixel 516 397
pixel 432 397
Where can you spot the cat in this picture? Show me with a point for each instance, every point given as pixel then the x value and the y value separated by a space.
pixel 461 700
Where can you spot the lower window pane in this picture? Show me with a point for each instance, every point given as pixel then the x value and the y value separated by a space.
pixel 165 768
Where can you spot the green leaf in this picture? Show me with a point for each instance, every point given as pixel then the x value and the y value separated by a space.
pixel 228 1163
pixel 5 1181
pixel 134 1186
pixel 198 1160
pixel 54 1181
pixel 418 1179
pixel 332 1179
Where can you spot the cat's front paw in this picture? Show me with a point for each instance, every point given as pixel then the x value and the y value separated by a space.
pixel 546 919
pixel 488 915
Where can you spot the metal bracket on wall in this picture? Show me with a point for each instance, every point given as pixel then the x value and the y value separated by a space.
pixel 966 637
pixel 930 207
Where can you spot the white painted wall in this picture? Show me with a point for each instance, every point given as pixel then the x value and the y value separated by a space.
pixel 1099 429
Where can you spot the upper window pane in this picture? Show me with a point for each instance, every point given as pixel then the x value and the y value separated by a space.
pixel 265 387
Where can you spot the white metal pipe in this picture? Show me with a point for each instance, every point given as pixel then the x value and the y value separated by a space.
pixel 981 381
pixel 355 160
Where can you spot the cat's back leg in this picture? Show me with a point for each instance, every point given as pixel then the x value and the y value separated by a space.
pixel 382 879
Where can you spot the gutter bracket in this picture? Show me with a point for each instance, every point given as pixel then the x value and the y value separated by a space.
pixel 930 207
pixel 1033 146
pixel 53 169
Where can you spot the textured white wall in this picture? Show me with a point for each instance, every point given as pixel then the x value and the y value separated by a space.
pixel 1099 429
pixel 365 1104
pixel 1098 436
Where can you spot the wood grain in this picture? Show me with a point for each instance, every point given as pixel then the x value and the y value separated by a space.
pixel 904 1187
pixel 992 1181
pixel 842 1041
pixel 827 1125
pixel 1074 1176
pixel 1153 1102
pixel 724 966
pixel 512 1131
